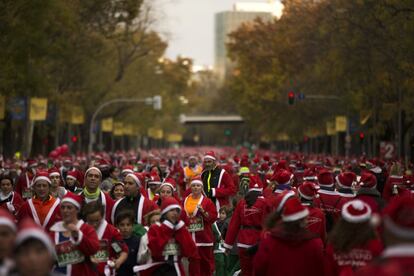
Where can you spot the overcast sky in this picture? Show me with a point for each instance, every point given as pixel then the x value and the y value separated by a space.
pixel 188 25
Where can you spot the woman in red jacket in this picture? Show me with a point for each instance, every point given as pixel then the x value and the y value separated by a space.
pixel 168 242
pixel 201 213
pixel 353 242
pixel 289 249
pixel 9 200
pixel 75 241
pixel 246 224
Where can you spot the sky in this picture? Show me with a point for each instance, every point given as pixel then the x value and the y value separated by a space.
pixel 188 26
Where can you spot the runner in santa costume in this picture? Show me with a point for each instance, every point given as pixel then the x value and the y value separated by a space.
pixel 73 183
pixel 25 179
pixel 217 183
pixel 42 207
pixel 133 200
pixel 353 242
pixel 169 241
pixel 75 241
pixel 8 231
pixel 113 251
pixel 246 224
pixel 394 183
pixel 154 183
pixel 398 256
pixel 202 214
pixel 92 192
pixel 9 200
pixel 307 192
pixel 34 253
pixel 289 248
pixel 56 188
pixel 329 199
pixel 369 194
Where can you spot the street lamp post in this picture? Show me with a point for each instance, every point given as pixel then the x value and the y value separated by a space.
pixel 156 102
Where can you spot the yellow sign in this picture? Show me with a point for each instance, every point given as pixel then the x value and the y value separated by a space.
pixel 330 128
pixel 341 123
pixel 129 129
pixel 2 107
pixel 155 133
pixel 282 137
pixel 118 128
pixel 107 125
pixel 38 109
pixel 174 138
pixel 78 117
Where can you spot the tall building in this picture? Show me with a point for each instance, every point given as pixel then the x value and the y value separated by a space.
pixel 227 22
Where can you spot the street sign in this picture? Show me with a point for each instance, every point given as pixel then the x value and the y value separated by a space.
pixel 388 150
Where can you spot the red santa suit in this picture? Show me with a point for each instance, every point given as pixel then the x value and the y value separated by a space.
pixel 79 250
pixel 246 225
pixel 11 203
pixel 168 243
pixel 23 185
pixel 107 236
pixel 200 227
pixel 328 201
pixel 289 253
pixel 393 182
pixel 139 204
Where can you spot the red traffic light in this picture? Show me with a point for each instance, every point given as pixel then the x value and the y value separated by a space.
pixel 361 136
pixel 291 97
pixel 74 139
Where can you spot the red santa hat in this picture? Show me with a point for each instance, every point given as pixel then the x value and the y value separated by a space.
pixel 398 217
pixel 356 211
pixel 103 164
pixel 294 210
pixel 169 204
pixel 73 174
pixel 170 182
pixel 136 178
pixel 31 163
pixel 28 229
pixel 210 155
pixel 325 178
pixel 283 177
pixel 308 190
pixel 345 179
pixel 264 168
pixel 368 180
pixel 41 175
pixel 93 169
pixel 281 199
pixel 54 172
pixel 197 180
pixel 255 184
pixel 154 179
pixel 309 175
pixel 6 219
pixel 73 199
pixel 127 169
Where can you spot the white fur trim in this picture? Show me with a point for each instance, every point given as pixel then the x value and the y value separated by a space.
pixel 284 199
pixel 305 196
pixel 136 179
pixel 91 169
pixel 296 216
pixel 7 222
pixel 168 224
pixel 196 181
pixel 209 157
pixel 403 232
pixel 170 207
pixel 179 225
pixel 71 200
pixel 169 185
pixel 71 176
pixel 47 179
pixel 38 234
pixel 401 250
pixel 352 218
pixel 256 189
pixel 340 184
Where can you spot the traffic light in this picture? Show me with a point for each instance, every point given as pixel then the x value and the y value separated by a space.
pixel 291 98
pixel 361 137
pixel 74 139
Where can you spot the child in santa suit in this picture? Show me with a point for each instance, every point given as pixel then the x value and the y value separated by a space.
pixel 289 248
pixel 246 224
pixel 113 252
pixel 398 256
pixel 201 213
pixel 75 241
pixel 169 241
pixel 9 199
pixel 353 242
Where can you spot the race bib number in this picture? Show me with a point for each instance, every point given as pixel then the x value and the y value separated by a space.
pixel 196 224
pixel 171 248
pixel 102 255
pixel 68 254
pixel 27 193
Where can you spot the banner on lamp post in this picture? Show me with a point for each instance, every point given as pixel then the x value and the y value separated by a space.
pixel 107 125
